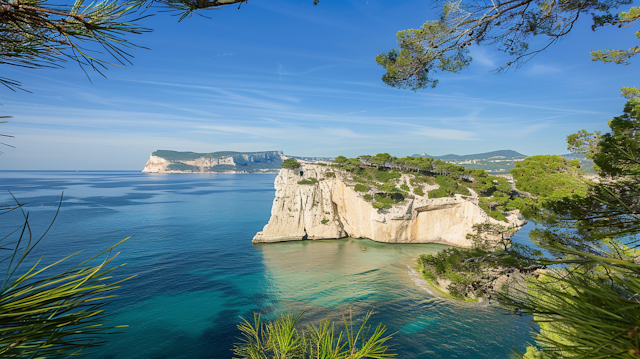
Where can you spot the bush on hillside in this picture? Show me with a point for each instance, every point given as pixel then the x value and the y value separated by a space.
pixel 385 176
pixel 291 163
pixel 308 181
pixel 361 188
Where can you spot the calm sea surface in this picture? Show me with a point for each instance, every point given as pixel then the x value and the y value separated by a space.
pixel 198 273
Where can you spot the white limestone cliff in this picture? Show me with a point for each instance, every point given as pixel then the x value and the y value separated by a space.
pixel 333 209
pixel 206 162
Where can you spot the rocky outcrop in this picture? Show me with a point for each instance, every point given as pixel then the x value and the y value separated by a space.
pixel 331 208
pixel 163 161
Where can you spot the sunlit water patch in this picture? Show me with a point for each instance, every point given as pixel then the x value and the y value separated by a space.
pixel 198 273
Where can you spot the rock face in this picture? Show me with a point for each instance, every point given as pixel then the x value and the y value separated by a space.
pixel 163 161
pixel 332 209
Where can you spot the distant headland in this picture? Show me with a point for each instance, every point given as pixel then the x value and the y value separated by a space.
pixel 166 161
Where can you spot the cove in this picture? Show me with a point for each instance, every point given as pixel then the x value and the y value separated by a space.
pixel 198 272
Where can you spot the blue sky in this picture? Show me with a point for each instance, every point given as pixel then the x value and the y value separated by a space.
pixel 287 75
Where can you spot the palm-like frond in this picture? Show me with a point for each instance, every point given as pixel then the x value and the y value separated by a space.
pixel 279 339
pixel 44 312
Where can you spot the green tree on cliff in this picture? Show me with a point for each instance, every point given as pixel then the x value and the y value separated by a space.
pixel 291 163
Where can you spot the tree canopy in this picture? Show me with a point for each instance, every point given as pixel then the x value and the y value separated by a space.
pixel 291 163
pixel 509 25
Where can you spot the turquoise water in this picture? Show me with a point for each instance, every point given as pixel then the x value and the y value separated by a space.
pixel 198 273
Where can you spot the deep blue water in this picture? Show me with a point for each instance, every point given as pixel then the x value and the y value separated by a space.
pixel 198 272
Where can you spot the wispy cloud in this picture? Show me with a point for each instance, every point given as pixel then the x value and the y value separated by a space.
pixel 443 133
pixel 542 69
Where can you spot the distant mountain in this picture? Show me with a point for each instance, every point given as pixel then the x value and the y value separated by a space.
pixel 477 156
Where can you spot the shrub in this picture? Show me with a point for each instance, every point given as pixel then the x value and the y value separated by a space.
pixel 309 181
pixel 291 163
pixel 284 337
pixel 324 221
pixel 389 198
pixel 381 205
pixel 359 179
pixel 422 179
pixel 405 187
pixel 418 190
pixel 439 193
pixel 361 188
pixel 385 176
pixel 330 175
pixel 368 197
pixel 388 187
pixel 498 215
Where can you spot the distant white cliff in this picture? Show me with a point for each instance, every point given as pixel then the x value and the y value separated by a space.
pixel 165 161
pixel 331 208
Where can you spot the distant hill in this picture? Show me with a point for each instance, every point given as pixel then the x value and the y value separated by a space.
pixel 477 156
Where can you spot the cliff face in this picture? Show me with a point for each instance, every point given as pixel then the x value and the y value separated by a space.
pixel 163 161
pixel 332 209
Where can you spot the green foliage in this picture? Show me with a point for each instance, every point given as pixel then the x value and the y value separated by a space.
pixel 361 188
pixel 179 166
pixel 443 44
pixel 388 187
pixel 583 142
pixel 385 176
pixel 47 311
pixel 340 160
pixel 32 32
pixel 585 313
pixel 498 215
pixel 291 163
pixel 439 193
pixel 418 190
pixel 587 305
pixel 389 198
pixel 467 268
pixel 404 187
pixel 549 176
pixel 527 206
pixel 618 56
pixel 619 150
pixel 379 205
pixel 330 174
pixel 280 339
pixel 324 221
pixel 308 181
pixel 423 179
pixel 368 197
pixel 359 179
pixel 413 65
pixel 448 188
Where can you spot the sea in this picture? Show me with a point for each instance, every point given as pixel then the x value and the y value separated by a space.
pixel 197 274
